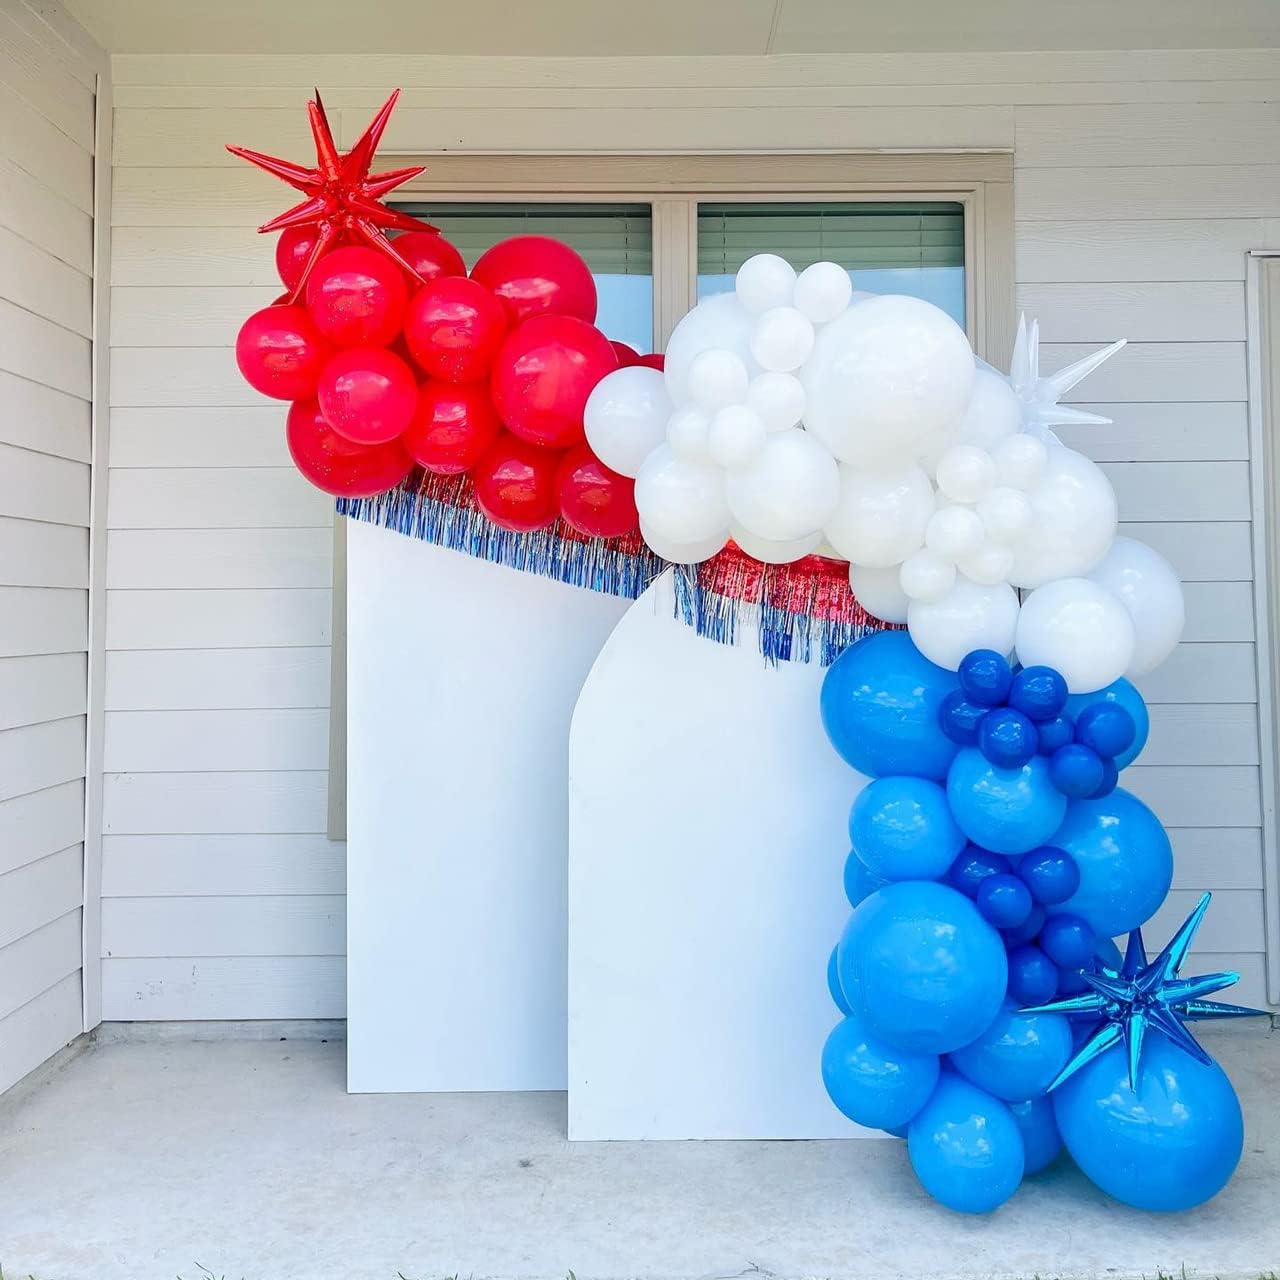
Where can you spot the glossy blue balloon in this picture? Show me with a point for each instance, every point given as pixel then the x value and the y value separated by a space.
pixel 1110 777
pixel 1106 727
pixel 1055 733
pixel 859 883
pixel 880 702
pixel 1041 1140
pixel 960 718
pixel 965 1147
pixel 1068 941
pixel 902 828
pixel 833 984
pixel 1004 901
pixel 985 677
pixel 1007 738
pixel 1005 810
pixel 1076 770
pixel 1171 1145
pixel 1123 694
pixel 1033 977
pixel 1071 981
pixel 973 866
pixel 1027 930
pixel 1124 858
pixel 1050 874
pixel 897 1130
pixel 1038 692
pixel 1018 1055
pixel 870 1082
pixel 921 967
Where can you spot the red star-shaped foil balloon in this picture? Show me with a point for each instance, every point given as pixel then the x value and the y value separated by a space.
pixel 343 197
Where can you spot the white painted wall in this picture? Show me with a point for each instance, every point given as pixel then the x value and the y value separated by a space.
pixel 1141 179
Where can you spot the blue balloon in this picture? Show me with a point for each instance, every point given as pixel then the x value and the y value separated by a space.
pixel 897 1130
pixel 902 829
pixel 1106 727
pixel 833 984
pixel 1005 810
pixel 1068 941
pixel 973 866
pixel 1076 770
pixel 1038 692
pixel 1124 858
pixel 1171 1145
pixel 870 1082
pixel 1110 776
pixel 1122 694
pixel 921 967
pixel 985 677
pixel 1071 981
pixel 965 1147
pixel 1033 977
pixel 960 718
pixel 1004 901
pixel 1027 930
pixel 880 703
pixel 1018 1055
pixel 859 883
pixel 1040 1137
pixel 1055 733
pixel 1007 738
pixel 1050 874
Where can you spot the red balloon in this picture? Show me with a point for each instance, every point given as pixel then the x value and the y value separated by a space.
pixel 536 275
pixel 516 485
pixel 357 297
pixel 453 427
pixel 337 465
pixel 593 499
pixel 655 361
pixel 367 394
pixel 454 328
pixel 293 251
pixel 281 352
pixel 543 375
pixel 627 355
pixel 430 255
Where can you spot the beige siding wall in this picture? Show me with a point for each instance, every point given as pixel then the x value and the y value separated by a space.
pixel 1141 180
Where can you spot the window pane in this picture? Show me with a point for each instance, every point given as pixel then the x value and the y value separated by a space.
pixel 615 239
pixel 914 248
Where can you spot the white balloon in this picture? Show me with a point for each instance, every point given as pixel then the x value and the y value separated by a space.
pixel 789 491
pixel 782 340
pixel 1078 628
pixel 689 434
pixel 765 281
pixel 823 291
pixel 993 411
pixel 737 435
pixel 953 533
pixel 879 591
pixel 989 564
pixel 1146 584
pixel 684 552
pixel 718 321
pixel 882 514
pixel 681 502
pixel 1020 461
pixel 1005 514
pixel 770 552
pixel 778 398
pixel 970 616
pixel 884 376
pixel 926 576
pixel 718 377
pixel 626 417
pixel 966 473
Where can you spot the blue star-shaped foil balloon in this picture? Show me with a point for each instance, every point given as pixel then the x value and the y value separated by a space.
pixel 1141 995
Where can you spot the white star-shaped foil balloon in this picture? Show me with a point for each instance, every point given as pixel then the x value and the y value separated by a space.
pixel 1039 397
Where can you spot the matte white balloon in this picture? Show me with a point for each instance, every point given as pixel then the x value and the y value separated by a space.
pixel 683 552
pixel 882 514
pixel 926 576
pixel 823 291
pixel 626 417
pixel 765 281
pixel 954 532
pixel 879 591
pixel 970 616
pixel 782 340
pixel 737 435
pixel 718 321
pixel 689 434
pixel 992 413
pixel 789 491
pixel 681 502
pixel 1020 461
pixel 1078 628
pixel 1005 513
pixel 965 472
pixel 989 564
pixel 718 377
pixel 778 398
pixel 770 552
pixel 1146 584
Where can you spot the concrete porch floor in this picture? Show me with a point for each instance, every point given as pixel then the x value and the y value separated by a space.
pixel 140 1159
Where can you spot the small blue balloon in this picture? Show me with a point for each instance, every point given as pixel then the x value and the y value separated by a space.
pixel 972 867
pixel 1110 777
pixel 1171 1145
pixel 1033 977
pixel 1018 1055
pixel 1004 901
pixel 1028 930
pixel 1076 770
pixel 1050 874
pixel 1106 727
pixel 870 1082
pixel 1038 692
pixel 1055 733
pixel 960 718
pixel 965 1147
pixel 1005 810
pixel 1068 941
pixel 1107 953
pixel 1122 694
pixel 985 677
pixel 1041 1140
pixel 1071 981
pixel 902 829
pixel 1007 738
pixel 859 883
pixel 880 703
pixel 833 984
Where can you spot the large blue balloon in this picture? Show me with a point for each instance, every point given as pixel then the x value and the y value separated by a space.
pixel 859 883
pixel 1007 810
pixel 1041 1140
pixel 1172 1145
pixel 833 984
pixel 921 967
pixel 902 829
pixel 1123 694
pixel 965 1147
pixel 873 1084
pixel 1124 858
pixel 880 703
pixel 1018 1055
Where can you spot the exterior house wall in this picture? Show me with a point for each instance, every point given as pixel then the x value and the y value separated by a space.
pixel 1141 181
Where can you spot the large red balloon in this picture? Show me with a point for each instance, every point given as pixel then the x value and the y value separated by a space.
pixel 543 375
pixel 430 255
pixel 515 484
pixel 293 252
pixel 337 465
pixel 367 394
pixel 454 328
pixel 536 275
pixel 357 296
pixel 453 426
pixel 593 499
pixel 281 352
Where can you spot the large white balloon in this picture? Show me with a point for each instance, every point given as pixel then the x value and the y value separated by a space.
pixel 968 617
pixel 884 377
pixel 778 398
pixel 1146 584
pixel 765 281
pixel 718 321
pixel 788 491
pixel 683 552
pixel 1078 628
pixel 879 592
pixel 770 552
pixel 680 501
pixel 718 377
pixel 881 516
pixel 992 413
pixel 823 290
pixel 626 417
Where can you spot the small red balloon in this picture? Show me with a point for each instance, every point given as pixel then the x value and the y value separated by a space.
pixel 543 375
pixel 454 328
pixel 536 275
pixel 593 499
pixel 430 255
pixel 293 251
pixel 281 352
pixel 515 484
pixel 357 297
pixel 367 394
pixel 453 426
pixel 655 361
pixel 337 465
pixel 627 355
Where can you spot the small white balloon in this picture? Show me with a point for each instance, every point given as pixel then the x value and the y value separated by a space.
pixel 778 398
pixel 970 616
pixel 926 576
pixel 823 291
pixel 1005 514
pixel 765 281
pixel 689 434
pixel 737 435
pixel 626 417
pixel 1020 461
pixel 881 516
pixel 718 377
pixel 783 339
pixel 684 552
pixel 992 413
pixel 681 502
pixel 966 473
pixel 1078 628
pixel 718 321
pixel 769 552
pixel 879 591
pixel 789 491
pixel 1146 584
pixel 989 564
pixel 953 533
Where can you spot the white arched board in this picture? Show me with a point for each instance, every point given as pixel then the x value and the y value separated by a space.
pixel 707 840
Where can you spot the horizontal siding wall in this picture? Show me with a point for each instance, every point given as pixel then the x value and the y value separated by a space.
pixel 1141 180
